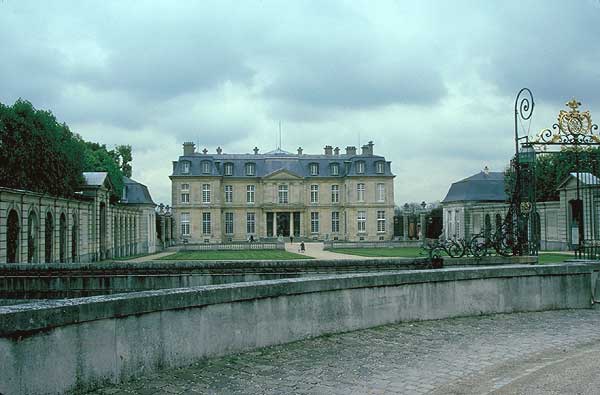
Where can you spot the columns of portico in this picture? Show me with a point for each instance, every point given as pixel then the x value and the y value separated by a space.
pixel 291 223
pixel 405 227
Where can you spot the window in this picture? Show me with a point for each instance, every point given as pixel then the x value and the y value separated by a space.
pixel 335 221
pixel 335 169
pixel 206 223
pixel 228 193
pixel 250 189
pixel 335 194
pixel 360 167
pixel 283 194
pixel 381 221
pixel 314 222
pixel 360 192
pixel 457 223
pixel 205 193
pixel 476 223
pixel 185 167
pixel 250 169
pixel 185 224
pixel 229 223
pixel 379 167
pixel 185 193
pixel 228 169
pixel 362 221
pixel 314 169
pixel 381 192
pixel 314 193
pixel 205 167
pixel 250 223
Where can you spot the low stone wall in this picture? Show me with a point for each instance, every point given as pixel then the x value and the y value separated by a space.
pixel 333 244
pixel 52 281
pixel 58 346
pixel 233 246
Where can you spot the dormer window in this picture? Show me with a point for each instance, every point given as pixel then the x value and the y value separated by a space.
pixel 185 167
pixel 228 169
pixel 250 169
pixel 360 167
pixel 314 169
pixel 379 167
pixel 205 167
pixel 124 198
pixel 335 169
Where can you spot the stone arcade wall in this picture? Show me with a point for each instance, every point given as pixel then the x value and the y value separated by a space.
pixel 57 346
pixel 92 228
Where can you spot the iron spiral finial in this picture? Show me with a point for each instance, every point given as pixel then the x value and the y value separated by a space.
pixel 524 104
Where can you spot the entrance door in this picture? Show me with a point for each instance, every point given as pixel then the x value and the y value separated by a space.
pixel 283 224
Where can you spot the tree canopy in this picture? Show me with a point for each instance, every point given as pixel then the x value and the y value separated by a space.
pixel 553 168
pixel 40 154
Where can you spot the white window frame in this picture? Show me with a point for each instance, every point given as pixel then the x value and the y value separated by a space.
pixel 314 222
pixel 360 192
pixel 314 169
pixel 206 223
pixel 335 222
pixel 380 167
pixel 250 169
pixel 335 193
pixel 250 223
pixel 361 221
pixel 314 194
pixel 360 167
pixel 228 193
pixel 185 167
pixel 335 169
pixel 205 167
pixel 283 194
pixel 185 193
pixel 250 193
pixel 229 223
pixel 380 221
pixel 185 224
pixel 381 192
pixel 205 193
pixel 228 169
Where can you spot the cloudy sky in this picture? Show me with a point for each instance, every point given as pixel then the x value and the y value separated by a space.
pixel 431 83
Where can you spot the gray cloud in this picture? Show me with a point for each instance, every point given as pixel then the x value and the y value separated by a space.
pixel 432 83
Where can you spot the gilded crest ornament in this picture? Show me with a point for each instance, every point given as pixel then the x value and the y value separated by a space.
pixel 574 127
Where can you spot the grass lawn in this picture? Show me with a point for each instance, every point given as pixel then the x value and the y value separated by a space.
pixel 405 252
pixel 234 255
pixel 553 258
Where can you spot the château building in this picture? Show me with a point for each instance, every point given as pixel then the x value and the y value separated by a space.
pixel 234 197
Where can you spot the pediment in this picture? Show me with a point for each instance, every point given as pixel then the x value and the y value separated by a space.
pixel 282 174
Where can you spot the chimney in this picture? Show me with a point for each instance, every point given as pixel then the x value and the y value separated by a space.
pixel 328 150
pixel 367 149
pixel 350 150
pixel 336 151
pixel 299 151
pixel 189 148
pixel 205 151
pixel 255 150
pixel 219 150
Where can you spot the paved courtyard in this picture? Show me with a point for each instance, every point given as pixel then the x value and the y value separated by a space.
pixel 547 352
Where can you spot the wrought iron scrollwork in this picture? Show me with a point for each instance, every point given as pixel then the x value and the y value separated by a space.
pixel 574 128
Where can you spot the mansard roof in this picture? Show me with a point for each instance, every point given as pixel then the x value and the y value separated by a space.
pixel 483 186
pixel 273 161
pixel 136 192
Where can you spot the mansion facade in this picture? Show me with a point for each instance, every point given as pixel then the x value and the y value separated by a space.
pixel 236 197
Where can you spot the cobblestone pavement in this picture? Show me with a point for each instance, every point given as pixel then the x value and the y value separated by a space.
pixel 461 355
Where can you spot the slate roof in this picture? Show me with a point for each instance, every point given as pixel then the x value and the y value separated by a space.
pixel 136 193
pixel 280 160
pixel 479 187
pixel 584 178
pixel 95 178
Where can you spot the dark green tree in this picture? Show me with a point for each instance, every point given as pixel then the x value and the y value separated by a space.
pixel 36 152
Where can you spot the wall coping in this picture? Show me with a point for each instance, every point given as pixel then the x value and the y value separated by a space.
pixel 117 267
pixel 28 319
